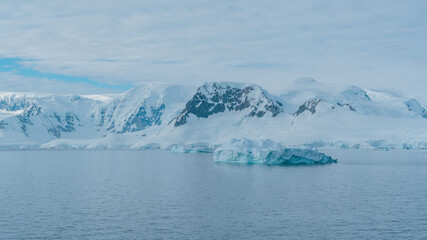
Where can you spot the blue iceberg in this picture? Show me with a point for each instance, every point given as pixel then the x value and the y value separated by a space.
pixel 269 153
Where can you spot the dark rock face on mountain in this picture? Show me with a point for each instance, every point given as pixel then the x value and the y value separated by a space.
pixel 308 106
pixel 142 119
pixel 346 105
pixel 311 105
pixel 414 106
pixel 142 107
pixel 65 123
pixel 11 104
pixel 55 123
pixel 215 98
pixel 25 117
pixel 3 125
pixel 355 94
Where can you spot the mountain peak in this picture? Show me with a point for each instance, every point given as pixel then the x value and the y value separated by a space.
pixel 215 97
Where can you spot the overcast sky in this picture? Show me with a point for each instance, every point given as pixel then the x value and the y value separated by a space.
pixel 109 46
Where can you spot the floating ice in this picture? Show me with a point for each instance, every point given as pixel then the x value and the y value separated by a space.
pixel 269 153
pixel 198 147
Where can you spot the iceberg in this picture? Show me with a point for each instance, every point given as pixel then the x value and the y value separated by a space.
pixel 198 147
pixel 269 153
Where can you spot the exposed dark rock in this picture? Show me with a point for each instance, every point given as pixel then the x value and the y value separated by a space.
pixel 59 124
pixel 308 106
pixel 75 98
pixel 312 104
pixel 140 119
pixel 34 110
pixel 414 106
pixel 111 127
pixel 11 105
pixel 216 98
pixel 24 119
pixel 66 124
pixel 347 105
pixel 3 124
pixel 356 93
pixel 102 112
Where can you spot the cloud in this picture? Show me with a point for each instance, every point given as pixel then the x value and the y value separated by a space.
pixel 368 43
pixel 12 82
pixel 18 67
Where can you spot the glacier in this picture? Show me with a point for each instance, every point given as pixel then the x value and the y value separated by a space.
pixel 268 152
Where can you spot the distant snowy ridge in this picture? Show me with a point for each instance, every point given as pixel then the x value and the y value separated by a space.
pixel 186 118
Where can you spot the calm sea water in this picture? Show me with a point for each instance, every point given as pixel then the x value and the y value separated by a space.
pixel 162 195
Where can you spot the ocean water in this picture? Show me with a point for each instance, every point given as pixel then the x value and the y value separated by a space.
pixel 162 195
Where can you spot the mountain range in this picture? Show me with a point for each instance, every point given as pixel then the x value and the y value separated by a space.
pixel 307 114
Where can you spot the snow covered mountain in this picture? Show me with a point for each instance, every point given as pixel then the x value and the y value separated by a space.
pixel 214 98
pixel 31 119
pixel 307 113
pixel 365 102
pixel 142 107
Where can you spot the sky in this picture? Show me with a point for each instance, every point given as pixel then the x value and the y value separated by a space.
pixel 110 46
